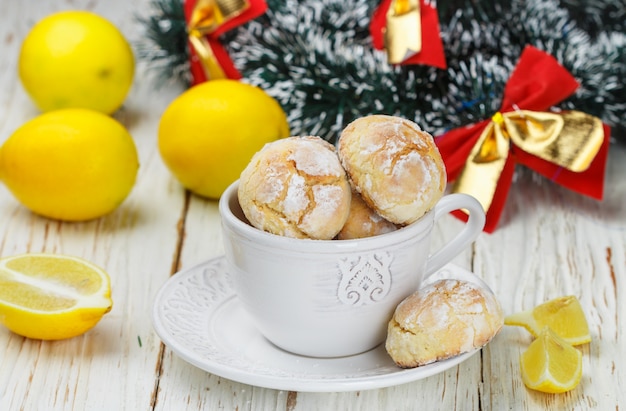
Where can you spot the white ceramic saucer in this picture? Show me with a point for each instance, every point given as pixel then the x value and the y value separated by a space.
pixel 198 316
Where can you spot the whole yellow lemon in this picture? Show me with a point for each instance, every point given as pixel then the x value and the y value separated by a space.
pixel 70 164
pixel 76 59
pixel 209 133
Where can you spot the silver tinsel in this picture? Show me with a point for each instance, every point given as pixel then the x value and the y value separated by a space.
pixel 316 58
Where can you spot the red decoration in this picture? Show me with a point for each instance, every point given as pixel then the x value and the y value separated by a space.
pixel 432 53
pixel 537 83
pixel 256 9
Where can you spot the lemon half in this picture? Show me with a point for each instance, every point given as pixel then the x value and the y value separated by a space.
pixel 52 297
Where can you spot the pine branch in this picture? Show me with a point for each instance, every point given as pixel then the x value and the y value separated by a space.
pixel 599 16
pixel 164 46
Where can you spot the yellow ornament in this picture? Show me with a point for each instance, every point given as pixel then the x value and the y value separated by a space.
pixel 71 164
pixel 209 133
pixel 76 59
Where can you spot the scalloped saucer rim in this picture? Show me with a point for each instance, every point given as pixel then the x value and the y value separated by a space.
pixel 194 312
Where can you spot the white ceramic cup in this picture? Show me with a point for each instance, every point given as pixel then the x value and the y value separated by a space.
pixel 331 298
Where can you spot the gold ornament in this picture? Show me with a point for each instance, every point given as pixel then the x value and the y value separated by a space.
pixel 569 139
pixel 208 16
pixel 403 32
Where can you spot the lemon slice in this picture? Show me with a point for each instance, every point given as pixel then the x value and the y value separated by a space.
pixel 563 315
pixel 52 297
pixel 551 364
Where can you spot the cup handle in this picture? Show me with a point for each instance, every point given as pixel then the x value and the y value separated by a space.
pixel 465 237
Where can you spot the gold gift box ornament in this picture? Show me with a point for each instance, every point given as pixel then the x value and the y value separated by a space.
pixel 568 147
pixel 206 21
pixel 408 30
pixel 403 32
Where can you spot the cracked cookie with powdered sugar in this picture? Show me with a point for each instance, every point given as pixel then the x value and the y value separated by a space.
pixel 296 187
pixel 442 320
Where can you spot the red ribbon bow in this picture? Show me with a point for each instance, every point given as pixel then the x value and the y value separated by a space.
pixel 255 9
pixel 537 83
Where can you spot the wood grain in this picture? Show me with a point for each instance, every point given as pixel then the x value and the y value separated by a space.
pixel 550 242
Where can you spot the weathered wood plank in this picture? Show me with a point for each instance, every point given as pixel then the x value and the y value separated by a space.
pixel 550 242
pixel 554 242
pixel 114 365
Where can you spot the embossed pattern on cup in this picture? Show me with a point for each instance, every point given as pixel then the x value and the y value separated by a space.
pixel 365 279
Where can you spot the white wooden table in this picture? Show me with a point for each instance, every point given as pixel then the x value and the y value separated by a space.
pixel 550 242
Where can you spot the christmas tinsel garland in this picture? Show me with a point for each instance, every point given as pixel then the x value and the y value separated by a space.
pixel 316 58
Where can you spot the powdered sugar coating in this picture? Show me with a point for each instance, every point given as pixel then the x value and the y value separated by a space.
pixel 325 164
pixel 326 198
pixel 296 187
pixel 441 299
pixel 394 165
pixel 296 200
pixel 441 320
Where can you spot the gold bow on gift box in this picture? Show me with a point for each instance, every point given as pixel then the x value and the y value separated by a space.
pixel 206 18
pixel 569 139
pixel 567 147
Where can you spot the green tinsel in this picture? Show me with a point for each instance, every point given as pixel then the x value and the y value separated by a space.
pixel 315 57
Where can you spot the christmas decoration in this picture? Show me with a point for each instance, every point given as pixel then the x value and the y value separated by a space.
pixel 568 147
pixel 206 21
pixel 409 31
pixel 329 62
pixel 317 58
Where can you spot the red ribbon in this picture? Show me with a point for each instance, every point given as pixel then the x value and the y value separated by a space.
pixel 256 9
pixel 537 83
pixel 432 53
